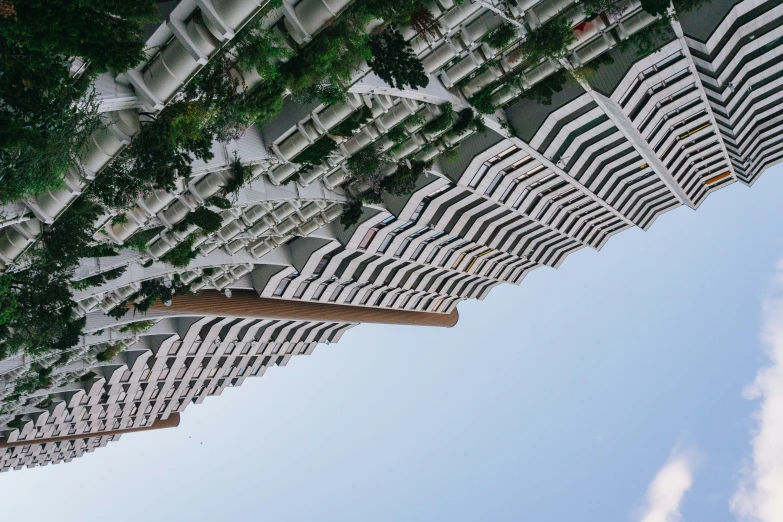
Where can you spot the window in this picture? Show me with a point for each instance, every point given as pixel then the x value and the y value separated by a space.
pixel 174 348
pixel 281 287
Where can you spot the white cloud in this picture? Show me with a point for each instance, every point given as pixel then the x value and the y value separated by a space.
pixel 759 496
pixel 666 491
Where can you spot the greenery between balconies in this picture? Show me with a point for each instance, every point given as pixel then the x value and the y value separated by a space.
pixel 551 40
pixel 442 122
pixel 43 288
pixel 43 123
pixel 182 254
pixel 593 8
pixel 150 292
pixel 398 134
pixel 205 219
pixel 139 240
pixel 501 37
pixel 216 104
pixel 36 157
pixel 30 382
pixel 402 182
pixel 220 202
pixel 87 377
pixel 367 168
pixel 239 174
pixel 482 101
pixel 316 153
pixel 647 40
pixel 137 327
pixel 661 7
pixel 352 123
pixel 590 69
pixel 352 213
pixel 99 279
pixel 109 353
pixel 466 120
pixel 392 59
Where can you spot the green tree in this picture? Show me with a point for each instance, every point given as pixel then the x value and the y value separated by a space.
pixel 656 7
pixel 501 36
pixel 182 254
pixel 352 213
pixel 403 181
pixel 205 219
pixel 394 62
pixel 551 40
pixel 107 33
pixel 40 316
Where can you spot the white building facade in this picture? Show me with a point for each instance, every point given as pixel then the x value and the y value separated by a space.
pixel 613 149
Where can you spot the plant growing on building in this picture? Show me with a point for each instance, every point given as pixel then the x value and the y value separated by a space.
pixel 139 240
pixel 482 101
pixel 394 62
pixel 352 213
pixel 239 175
pixel 351 124
pixel 137 327
pixel 466 120
pixel 551 40
pixel 108 34
pixel 205 219
pixel 398 134
pixel 367 168
pixel 501 36
pixel 99 279
pixel 220 202
pixel 442 122
pixel 591 68
pixel 182 254
pixel 423 22
pixel 109 353
pixel 87 377
pixel 30 382
pixel 647 40
pixel 656 7
pixel 45 115
pixel 403 181
pixel 316 153
pixel 41 137
pixel 543 91
pixel 593 8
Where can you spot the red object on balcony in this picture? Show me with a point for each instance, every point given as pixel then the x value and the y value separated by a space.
pixel 581 26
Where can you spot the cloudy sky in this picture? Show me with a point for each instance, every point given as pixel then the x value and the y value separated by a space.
pixel 641 383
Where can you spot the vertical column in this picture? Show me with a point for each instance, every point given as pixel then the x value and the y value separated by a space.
pixel 627 129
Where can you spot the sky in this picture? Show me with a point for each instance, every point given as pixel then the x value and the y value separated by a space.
pixel 642 383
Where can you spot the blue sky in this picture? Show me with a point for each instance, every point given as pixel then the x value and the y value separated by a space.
pixel 559 400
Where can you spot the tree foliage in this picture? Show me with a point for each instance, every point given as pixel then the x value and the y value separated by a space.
pixel 205 219
pixel 403 181
pixel 107 33
pixel 394 62
pixel 501 36
pixel 352 213
pixel 45 114
pixel 551 40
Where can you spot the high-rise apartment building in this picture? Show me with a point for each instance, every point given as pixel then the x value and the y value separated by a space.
pixel 638 115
